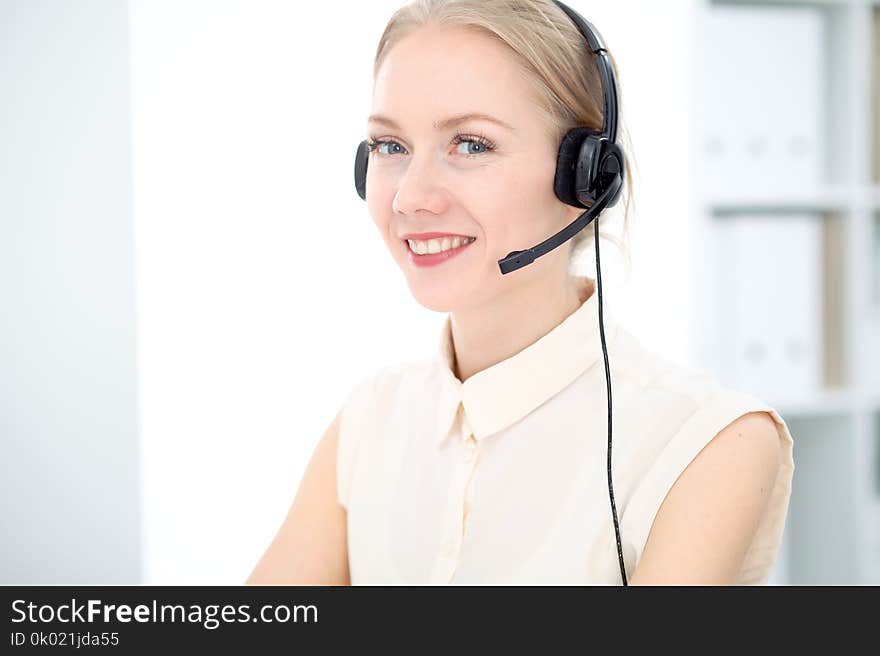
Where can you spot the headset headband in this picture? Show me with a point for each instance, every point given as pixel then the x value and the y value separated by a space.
pixel 606 70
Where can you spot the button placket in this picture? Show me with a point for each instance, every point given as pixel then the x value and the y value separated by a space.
pixel 470 448
pixel 459 504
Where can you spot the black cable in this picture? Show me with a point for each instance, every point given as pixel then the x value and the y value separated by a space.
pixel 608 384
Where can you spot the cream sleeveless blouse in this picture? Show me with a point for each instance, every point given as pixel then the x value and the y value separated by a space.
pixel 502 479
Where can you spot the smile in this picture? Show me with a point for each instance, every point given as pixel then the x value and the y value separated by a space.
pixel 436 251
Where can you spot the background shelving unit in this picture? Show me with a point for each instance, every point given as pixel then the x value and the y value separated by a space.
pixel 832 534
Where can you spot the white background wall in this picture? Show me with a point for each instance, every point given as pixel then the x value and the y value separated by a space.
pixel 265 292
pixel 68 418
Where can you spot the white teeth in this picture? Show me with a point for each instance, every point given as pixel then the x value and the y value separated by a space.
pixel 438 245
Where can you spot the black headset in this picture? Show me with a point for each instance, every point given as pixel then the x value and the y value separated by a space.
pixel 590 169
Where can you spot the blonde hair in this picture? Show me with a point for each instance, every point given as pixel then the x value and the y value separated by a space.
pixel 555 60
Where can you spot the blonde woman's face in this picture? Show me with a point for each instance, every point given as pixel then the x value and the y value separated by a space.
pixel 477 178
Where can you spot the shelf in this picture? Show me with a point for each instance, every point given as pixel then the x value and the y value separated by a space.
pixel 831 402
pixel 827 403
pixel 839 200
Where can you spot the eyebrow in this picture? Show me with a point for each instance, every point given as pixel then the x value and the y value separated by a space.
pixel 445 124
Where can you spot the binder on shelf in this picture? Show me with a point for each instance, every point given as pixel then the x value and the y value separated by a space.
pixel 769 282
pixel 764 107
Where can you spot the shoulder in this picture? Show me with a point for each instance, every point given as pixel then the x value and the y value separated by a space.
pixel 375 394
pixel 703 457
pixel 753 434
pixel 386 381
pixel 702 532
pixel 739 464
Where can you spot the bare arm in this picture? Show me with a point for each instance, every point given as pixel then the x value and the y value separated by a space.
pixel 310 548
pixel 705 524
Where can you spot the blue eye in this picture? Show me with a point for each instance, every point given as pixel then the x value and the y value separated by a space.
pixel 478 142
pixel 471 142
pixel 375 145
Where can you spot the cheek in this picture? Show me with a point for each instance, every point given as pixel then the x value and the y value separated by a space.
pixel 379 208
pixel 515 209
pixel 531 186
pixel 381 189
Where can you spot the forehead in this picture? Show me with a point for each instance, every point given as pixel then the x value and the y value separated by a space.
pixel 435 72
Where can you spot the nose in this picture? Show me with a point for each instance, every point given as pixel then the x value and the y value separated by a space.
pixel 420 187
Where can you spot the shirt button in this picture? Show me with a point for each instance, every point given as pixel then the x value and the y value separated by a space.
pixel 470 448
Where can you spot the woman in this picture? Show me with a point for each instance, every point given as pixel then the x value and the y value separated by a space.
pixel 486 463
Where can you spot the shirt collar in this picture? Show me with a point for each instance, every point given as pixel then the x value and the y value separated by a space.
pixel 504 393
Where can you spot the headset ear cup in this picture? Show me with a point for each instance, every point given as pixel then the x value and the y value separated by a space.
pixel 569 166
pixel 361 162
pixel 587 170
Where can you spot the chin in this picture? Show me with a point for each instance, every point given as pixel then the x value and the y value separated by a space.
pixel 440 296
pixel 437 300
pixel 446 287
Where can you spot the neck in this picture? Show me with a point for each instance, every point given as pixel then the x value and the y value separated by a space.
pixel 487 335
